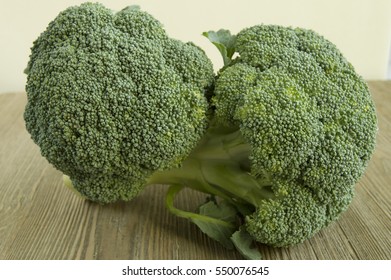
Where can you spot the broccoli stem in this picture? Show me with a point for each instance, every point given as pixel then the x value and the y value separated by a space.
pixel 219 166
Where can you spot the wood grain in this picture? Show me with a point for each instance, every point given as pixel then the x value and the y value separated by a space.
pixel 41 219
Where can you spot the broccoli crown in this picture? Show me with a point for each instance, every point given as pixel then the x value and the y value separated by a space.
pixel 309 120
pixel 111 98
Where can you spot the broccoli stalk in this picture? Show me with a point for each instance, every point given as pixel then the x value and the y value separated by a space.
pixel 220 167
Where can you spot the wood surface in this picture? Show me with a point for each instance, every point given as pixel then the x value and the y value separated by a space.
pixel 41 219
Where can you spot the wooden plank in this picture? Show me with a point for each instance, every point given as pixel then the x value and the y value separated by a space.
pixel 41 219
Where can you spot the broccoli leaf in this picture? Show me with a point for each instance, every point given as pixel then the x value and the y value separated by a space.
pixel 224 41
pixel 216 221
pixel 243 241
pixel 132 7
pixel 219 232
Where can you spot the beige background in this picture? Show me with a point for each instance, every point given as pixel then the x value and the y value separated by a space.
pixel 360 28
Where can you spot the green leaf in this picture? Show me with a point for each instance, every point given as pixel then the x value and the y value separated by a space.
pixel 219 221
pixel 243 242
pixel 224 211
pixel 225 43
pixel 215 221
pixel 131 8
pixel 217 231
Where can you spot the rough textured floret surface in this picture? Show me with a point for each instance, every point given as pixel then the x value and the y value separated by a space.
pixel 310 121
pixel 111 98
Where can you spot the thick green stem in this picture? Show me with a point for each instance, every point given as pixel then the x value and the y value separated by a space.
pixel 189 175
pixel 219 166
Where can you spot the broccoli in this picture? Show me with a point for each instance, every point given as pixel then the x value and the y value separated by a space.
pixel 277 140
pixel 112 99
pixel 293 129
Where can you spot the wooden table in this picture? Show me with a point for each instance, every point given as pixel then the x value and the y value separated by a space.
pixel 41 219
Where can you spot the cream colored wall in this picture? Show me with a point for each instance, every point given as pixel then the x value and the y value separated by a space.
pixel 360 28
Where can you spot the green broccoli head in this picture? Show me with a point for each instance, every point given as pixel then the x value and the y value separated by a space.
pixel 112 99
pixel 310 123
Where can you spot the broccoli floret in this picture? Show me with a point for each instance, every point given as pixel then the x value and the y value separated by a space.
pixel 309 120
pixel 112 99
pixel 293 130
